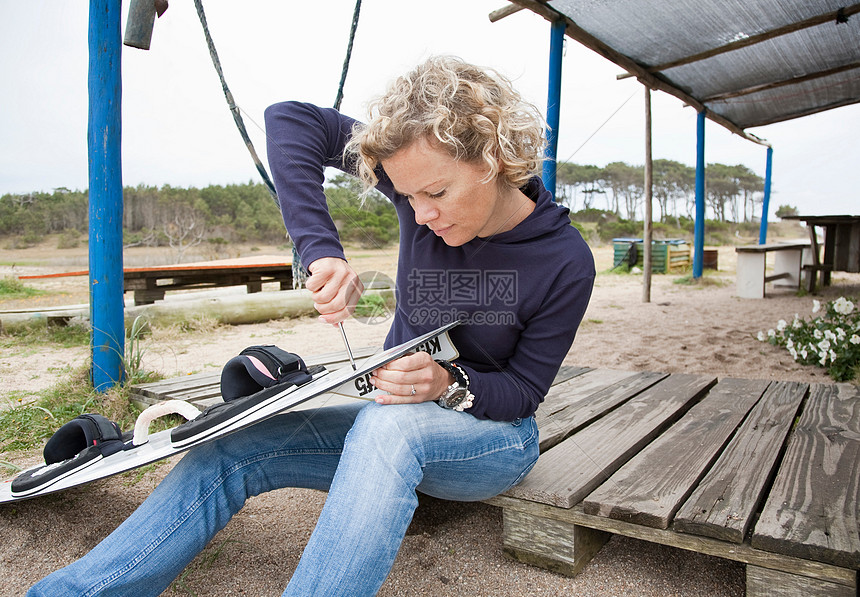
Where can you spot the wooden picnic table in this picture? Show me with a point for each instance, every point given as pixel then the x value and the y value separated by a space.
pixel 841 245
pixel 752 263
pixel 763 473
pixel 150 283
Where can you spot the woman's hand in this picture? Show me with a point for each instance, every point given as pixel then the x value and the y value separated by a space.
pixel 411 379
pixel 335 288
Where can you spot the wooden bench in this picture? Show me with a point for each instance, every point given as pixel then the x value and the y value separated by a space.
pixel 150 283
pixel 763 473
pixel 752 262
pixel 724 468
pixel 841 246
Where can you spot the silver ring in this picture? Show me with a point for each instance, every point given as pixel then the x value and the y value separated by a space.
pixel 413 389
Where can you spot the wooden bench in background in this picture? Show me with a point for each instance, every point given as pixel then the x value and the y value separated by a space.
pixel 150 283
pixel 763 473
pixel 752 264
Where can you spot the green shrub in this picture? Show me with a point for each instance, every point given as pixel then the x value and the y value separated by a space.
pixel 12 288
pixel 69 239
pixel 620 229
pixel 592 214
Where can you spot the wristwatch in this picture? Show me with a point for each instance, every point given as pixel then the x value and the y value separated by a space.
pixel 456 396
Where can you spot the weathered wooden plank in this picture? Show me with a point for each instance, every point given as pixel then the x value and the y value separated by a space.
pixel 714 547
pixel 567 372
pixel 194 394
pixel 555 545
pixel 570 406
pixel 155 394
pixel 725 501
pixel 194 380
pixel 763 582
pixel 650 488
pixel 575 467
pixel 812 509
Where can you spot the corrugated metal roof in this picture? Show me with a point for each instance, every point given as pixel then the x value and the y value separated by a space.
pixel 747 63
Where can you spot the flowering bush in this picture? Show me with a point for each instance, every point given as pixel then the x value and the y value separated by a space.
pixel 831 339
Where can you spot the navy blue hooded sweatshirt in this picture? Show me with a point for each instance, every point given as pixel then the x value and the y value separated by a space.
pixel 521 294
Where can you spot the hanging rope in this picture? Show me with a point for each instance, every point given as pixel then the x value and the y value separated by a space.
pixel 299 275
pixel 348 55
pixel 234 109
pixel 597 130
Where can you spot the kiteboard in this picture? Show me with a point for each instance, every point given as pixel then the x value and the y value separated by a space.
pixel 142 448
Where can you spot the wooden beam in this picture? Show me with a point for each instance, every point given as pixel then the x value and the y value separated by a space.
pixel 705 545
pixel 844 12
pixel 783 83
pixel 646 233
pixel 808 112
pixel 505 11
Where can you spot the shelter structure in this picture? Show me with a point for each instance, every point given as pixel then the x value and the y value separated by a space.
pixel 739 63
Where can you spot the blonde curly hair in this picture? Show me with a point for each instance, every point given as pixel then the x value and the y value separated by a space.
pixel 472 113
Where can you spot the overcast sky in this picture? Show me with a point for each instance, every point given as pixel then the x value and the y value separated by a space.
pixel 177 129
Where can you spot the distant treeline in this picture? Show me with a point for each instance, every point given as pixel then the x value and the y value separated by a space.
pixel 183 217
pixel 732 193
pixel 221 215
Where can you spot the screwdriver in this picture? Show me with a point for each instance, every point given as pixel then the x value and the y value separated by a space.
pixel 346 343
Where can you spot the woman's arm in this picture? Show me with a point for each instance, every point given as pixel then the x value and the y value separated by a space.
pixel 517 390
pixel 302 141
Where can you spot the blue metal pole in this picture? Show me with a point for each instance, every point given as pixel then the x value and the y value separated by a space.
pixel 553 103
pixel 762 232
pixel 699 227
pixel 105 194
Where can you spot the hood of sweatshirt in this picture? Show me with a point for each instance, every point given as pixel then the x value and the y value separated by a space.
pixel 547 218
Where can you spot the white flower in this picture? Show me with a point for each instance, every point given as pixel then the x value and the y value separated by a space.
pixel 823 359
pixel 760 336
pixel 843 306
pixel 803 353
pixel 780 325
pixel 796 323
pixel 816 306
pixel 771 333
pixel 818 335
pixel 832 356
pixel 824 344
pixel 793 353
pixel 855 339
pixel 828 335
pixel 789 344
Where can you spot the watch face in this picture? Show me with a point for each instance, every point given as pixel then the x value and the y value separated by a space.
pixel 456 397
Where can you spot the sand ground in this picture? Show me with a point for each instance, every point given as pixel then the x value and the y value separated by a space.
pixel 451 548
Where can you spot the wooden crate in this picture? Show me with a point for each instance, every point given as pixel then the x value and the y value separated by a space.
pixel 667 256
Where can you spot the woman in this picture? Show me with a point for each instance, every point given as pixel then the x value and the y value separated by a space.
pixel 455 149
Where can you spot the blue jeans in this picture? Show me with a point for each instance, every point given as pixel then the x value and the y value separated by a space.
pixel 370 458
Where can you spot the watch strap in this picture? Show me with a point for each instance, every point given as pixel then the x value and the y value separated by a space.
pixel 460 385
pixel 460 376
